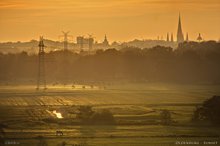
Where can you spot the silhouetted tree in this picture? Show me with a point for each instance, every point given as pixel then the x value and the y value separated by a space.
pixel 87 116
pixel 210 111
pixel 84 114
pixel 104 117
pixel 190 62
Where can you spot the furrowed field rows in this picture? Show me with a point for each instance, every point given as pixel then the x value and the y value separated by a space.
pixel 102 97
pixel 136 109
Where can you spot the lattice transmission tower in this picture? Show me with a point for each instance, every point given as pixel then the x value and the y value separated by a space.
pixel 65 37
pixel 41 79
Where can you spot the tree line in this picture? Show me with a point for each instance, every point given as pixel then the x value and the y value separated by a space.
pixel 191 62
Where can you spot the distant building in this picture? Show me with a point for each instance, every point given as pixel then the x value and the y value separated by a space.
pixel 80 41
pixel 171 39
pixel 199 38
pixel 180 37
pixel 105 42
pixel 90 42
pixel 187 37
pixel 168 39
pixel 83 42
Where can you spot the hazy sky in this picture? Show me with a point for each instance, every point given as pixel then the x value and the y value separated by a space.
pixel 121 20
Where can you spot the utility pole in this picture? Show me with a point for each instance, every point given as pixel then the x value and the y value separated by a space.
pixel 41 80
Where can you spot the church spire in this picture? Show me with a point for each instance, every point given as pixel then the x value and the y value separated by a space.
pixel 180 37
pixel 199 38
pixel 168 39
pixel 187 37
pixel 171 39
pixel 105 42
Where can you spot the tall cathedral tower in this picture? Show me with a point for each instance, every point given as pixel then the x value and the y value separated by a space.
pixel 105 42
pixel 180 37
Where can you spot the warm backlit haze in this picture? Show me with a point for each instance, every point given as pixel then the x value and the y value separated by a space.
pixel 121 20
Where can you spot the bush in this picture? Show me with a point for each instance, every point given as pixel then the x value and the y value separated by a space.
pixel 209 111
pixel 86 115
pixel 166 117
pixel 104 117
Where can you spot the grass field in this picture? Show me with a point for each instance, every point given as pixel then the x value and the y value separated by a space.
pixel 136 108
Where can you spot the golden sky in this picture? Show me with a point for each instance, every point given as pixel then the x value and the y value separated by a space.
pixel 121 20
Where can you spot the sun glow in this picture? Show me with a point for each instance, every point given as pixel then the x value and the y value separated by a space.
pixel 58 115
pixel 121 20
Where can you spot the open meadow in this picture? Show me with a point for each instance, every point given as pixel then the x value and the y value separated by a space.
pixel 29 118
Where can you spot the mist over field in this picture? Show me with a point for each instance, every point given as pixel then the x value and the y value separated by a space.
pixel 109 72
pixel 191 62
pixel 127 96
